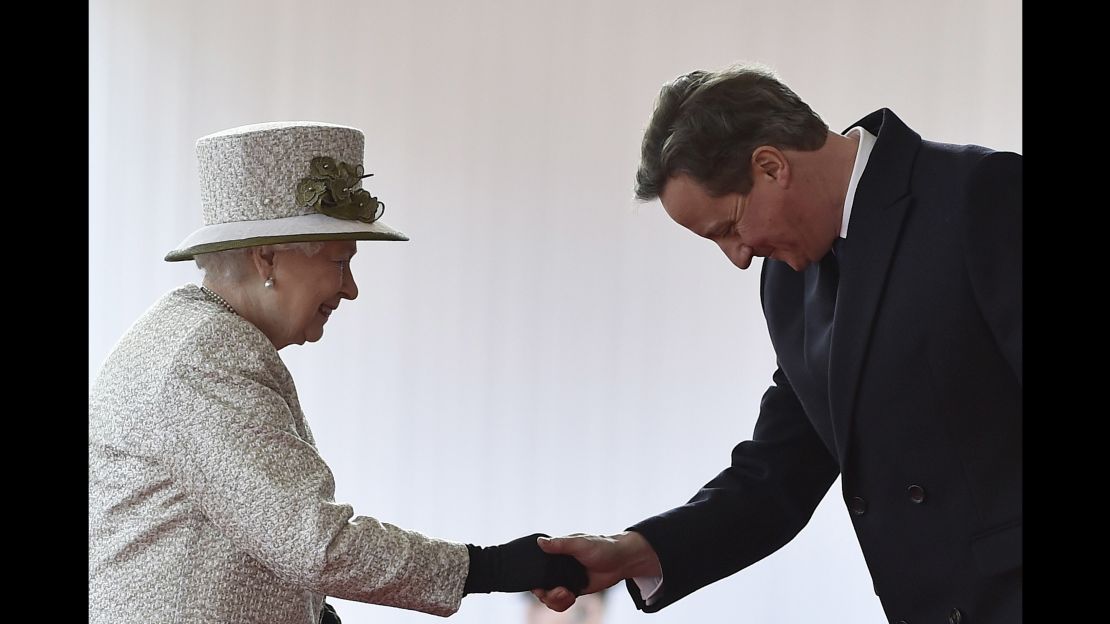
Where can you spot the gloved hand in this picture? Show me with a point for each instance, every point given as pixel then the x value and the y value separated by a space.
pixel 329 616
pixel 520 565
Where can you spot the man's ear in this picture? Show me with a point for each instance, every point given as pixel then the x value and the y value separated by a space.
pixel 770 165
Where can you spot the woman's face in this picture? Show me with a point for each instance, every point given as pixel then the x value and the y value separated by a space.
pixel 307 289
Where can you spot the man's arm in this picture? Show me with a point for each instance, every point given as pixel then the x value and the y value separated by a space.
pixel 750 510
pixel 992 230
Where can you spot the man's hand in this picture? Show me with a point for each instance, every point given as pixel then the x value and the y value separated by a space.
pixel 608 560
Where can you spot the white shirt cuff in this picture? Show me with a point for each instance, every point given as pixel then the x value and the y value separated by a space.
pixel 649 587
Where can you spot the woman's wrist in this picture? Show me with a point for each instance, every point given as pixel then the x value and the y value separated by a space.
pixel 478 575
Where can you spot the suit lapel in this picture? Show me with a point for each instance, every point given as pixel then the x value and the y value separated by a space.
pixel 863 278
pixel 878 212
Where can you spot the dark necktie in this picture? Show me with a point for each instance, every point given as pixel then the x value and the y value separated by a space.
pixel 820 307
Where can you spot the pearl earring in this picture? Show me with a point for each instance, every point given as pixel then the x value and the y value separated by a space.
pixel 269 282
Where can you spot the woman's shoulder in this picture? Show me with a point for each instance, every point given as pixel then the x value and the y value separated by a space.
pixel 186 329
pixel 214 335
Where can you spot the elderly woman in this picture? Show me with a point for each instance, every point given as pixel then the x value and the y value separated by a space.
pixel 208 501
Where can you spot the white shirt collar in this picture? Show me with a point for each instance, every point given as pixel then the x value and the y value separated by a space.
pixel 863 153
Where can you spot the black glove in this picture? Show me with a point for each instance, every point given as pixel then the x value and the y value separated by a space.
pixel 519 566
pixel 329 616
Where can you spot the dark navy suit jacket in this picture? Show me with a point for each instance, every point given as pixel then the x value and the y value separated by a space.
pixel 923 412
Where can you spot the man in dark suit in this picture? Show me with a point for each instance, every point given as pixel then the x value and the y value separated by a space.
pixel 892 292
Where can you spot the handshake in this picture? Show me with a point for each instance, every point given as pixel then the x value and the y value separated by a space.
pixel 521 565
pixel 557 570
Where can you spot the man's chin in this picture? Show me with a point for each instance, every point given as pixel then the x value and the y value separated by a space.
pixel 799 265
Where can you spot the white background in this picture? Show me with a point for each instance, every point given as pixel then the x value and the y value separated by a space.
pixel 546 354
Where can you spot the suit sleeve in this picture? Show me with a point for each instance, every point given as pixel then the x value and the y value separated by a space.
pixel 270 493
pixel 992 243
pixel 751 509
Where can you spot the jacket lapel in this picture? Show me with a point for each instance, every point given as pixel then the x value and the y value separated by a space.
pixel 878 212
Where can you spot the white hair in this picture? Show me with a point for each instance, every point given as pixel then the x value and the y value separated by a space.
pixel 233 264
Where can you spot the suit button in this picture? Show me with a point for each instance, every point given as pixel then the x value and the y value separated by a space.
pixel 917 493
pixel 857 505
pixel 901 622
pixel 955 617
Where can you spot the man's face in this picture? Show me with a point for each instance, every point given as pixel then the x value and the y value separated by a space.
pixel 761 223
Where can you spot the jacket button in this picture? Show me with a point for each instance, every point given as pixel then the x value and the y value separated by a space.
pixel 857 505
pixel 917 493
pixel 901 622
pixel 955 617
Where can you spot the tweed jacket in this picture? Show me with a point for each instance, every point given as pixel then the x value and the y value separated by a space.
pixel 207 499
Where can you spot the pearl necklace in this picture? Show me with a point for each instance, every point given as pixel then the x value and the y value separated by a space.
pixel 219 300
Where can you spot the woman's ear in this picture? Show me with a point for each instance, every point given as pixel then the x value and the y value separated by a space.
pixel 263 260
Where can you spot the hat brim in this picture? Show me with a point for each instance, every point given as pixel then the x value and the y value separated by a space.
pixel 310 227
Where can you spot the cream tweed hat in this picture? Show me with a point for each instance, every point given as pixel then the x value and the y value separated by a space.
pixel 283 182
